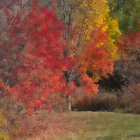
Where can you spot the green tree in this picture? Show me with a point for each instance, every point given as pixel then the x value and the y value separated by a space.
pixel 127 12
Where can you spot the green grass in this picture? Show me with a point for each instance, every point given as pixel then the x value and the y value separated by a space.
pixel 101 126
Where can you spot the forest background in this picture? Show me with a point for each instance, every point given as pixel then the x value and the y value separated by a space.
pixel 68 55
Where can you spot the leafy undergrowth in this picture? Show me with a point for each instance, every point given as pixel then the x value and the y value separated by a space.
pixel 90 126
pixel 46 126
pixel 16 124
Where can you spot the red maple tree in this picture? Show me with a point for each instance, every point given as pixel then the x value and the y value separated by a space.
pixel 41 60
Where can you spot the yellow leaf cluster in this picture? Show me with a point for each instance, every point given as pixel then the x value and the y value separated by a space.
pixel 89 14
pixel 112 28
pixel 4 137
pixel 87 17
pixel 3 121
pixel 2 118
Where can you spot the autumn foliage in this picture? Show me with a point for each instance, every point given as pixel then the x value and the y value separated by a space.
pixel 55 55
pixel 35 40
pixel 42 62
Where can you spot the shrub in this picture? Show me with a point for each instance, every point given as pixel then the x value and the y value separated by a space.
pixel 81 103
pixel 126 101
pixel 104 102
pixel 136 108
pixel 58 102
pixel 9 118
pixel 130 99
pixel 100 102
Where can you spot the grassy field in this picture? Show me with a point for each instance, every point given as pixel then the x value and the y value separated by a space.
pixel 98 126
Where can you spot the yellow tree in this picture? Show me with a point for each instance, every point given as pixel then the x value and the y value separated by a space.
pixel 89 24
pixel 88 16
pixel 83 18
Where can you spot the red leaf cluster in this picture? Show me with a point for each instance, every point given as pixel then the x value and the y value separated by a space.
pixel 42 62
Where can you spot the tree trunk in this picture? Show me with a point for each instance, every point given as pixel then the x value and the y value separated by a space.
pixel 69 103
